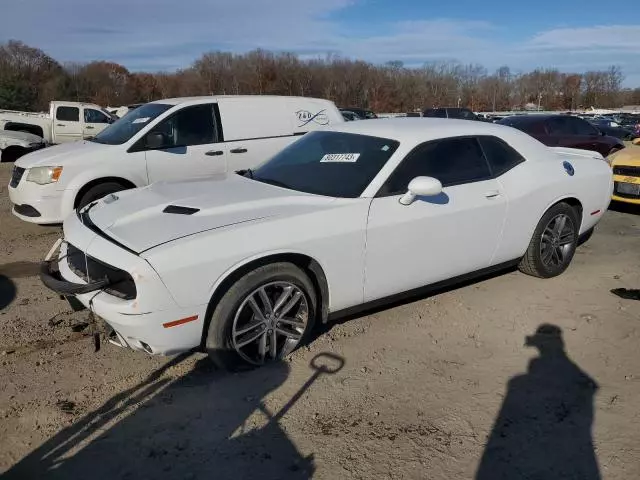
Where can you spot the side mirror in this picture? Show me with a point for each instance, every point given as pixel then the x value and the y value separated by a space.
pixel 154 140
pixel 636 141
pixel 421 187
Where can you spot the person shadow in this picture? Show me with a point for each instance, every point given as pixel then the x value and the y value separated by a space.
pixel 543 429
pixel 205 425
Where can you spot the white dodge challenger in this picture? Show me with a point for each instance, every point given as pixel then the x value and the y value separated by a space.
pixel 243 265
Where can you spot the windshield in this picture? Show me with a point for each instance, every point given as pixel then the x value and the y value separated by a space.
pixel 123 129
pixel 333 164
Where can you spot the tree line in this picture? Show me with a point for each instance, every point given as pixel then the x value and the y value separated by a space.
pixel 29 79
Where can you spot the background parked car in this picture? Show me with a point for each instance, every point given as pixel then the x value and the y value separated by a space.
pixel 454 112
pixel 349 116
pixel 65 122
pixel 363 113
pixel 565 131
pixel 613 129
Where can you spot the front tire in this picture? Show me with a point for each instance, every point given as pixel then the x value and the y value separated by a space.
pixel 98 191
pixel 262 318
pixel 553 243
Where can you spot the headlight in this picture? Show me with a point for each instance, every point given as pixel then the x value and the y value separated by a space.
pixel 44 175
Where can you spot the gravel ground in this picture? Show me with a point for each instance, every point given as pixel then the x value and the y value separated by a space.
pixel 443 387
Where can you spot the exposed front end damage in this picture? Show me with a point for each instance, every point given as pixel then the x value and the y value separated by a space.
pixel 13 145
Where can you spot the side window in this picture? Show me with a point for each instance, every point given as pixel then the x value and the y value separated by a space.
pixel 501 156
pixel 467 115
pixel 68 114
pixel 559 126
pixel 452 161
pixel 436 112
pixel 581 127
pixel 94 116
pixel 189 126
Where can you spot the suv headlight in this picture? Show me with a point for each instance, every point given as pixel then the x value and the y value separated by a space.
pixel 44 175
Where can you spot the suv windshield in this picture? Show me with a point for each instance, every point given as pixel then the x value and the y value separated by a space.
pixel 333 164
pixel 123 129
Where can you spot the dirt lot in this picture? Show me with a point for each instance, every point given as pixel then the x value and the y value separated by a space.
pixel 440 388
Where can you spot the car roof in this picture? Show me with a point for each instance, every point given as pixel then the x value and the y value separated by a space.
pixel 420 129
pixel 214 98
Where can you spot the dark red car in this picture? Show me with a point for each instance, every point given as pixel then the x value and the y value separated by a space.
pixel 564 131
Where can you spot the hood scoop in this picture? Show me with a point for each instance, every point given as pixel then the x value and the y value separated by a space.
pixel 179 210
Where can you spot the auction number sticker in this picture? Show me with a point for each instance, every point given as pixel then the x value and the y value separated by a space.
pixel 340 158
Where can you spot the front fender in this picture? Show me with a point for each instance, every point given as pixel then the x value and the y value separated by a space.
pixel 71 191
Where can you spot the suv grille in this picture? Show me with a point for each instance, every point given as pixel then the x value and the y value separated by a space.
pixel 16 176
pixel 627 171
pixel 122 285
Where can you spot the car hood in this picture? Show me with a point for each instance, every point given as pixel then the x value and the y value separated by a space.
pixel 629 156
pixel 23 139
pixel 62 154
pixel 136 218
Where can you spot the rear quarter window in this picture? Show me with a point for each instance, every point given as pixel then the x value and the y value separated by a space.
pixel 501 156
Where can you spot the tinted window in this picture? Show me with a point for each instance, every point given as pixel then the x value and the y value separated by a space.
pixel 501 156
pixel 581 127
pixel 436 112
pixel 189 126
pixel 559 126
pixel 122 130
pixel 334 164
pixel 452 161
pixel 94 116
pixel 68 114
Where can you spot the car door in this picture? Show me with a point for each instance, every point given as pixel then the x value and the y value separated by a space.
pixel 94 122
pixel 66 125
pixel 189 147
pixel 434 238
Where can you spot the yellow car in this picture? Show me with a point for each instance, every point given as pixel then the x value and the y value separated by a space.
pixel 626 174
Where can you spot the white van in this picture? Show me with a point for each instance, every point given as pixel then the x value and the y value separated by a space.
pixel 169 139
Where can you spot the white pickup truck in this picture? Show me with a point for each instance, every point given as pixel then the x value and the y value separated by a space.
pixel 65 122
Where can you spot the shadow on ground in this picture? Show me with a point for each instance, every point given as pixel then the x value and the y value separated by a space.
pixel 206 424
pixel 543 428
pixel 623 207
pixel 7 292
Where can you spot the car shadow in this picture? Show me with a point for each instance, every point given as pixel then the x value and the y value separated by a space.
pixel 206 424
pixel 7 291
pixel 399 300
pixel 622 207
pixel 544 426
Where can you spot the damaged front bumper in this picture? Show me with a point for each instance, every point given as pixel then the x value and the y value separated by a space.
pixel 150 321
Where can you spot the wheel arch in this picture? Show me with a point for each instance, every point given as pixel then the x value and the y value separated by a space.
pixel 12 153
pixel 306 263
pixel 24 127
pixel 89 185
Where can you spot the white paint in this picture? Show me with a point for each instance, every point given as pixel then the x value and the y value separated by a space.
pixel 255 128
pixel 368 247
pixel 57 131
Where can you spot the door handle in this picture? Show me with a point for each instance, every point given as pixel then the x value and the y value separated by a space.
pixel 214 153
pixel 492 194
pixel 60 125
pixel 239 150
pixel 89 127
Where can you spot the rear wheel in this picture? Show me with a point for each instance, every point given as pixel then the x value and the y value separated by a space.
pixel 553 244
pixel 98 191
pixel 262 318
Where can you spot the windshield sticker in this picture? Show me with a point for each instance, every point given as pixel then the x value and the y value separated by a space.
pixel 385 148
pixel 141 120
pixel 340 158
